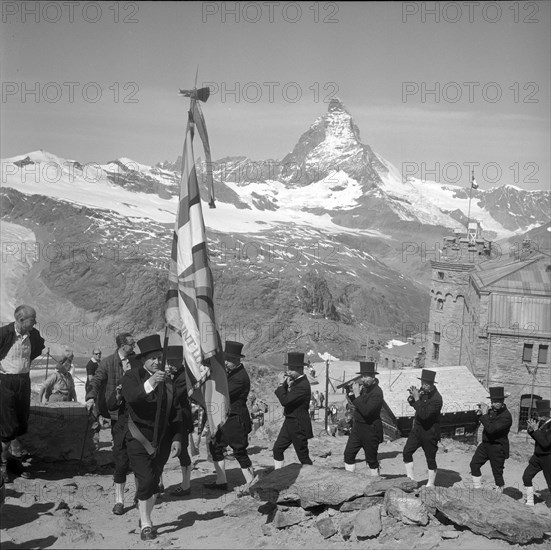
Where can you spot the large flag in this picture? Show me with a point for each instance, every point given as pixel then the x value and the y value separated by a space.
pixel 474 185
pixel 190 306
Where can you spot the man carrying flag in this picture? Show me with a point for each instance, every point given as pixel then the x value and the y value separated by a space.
pixel 190 306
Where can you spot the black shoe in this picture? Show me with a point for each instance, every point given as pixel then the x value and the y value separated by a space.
pixel 147 534
pixel 118 509
pixel 214 485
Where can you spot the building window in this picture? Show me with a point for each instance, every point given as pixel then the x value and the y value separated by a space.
pixel 542 354
pixel 441 275
pixel 436 337
pixel 436 351
pixel 527 410
pixel 527 353
pixel 440 304
pixel 394 363
pixel 386 362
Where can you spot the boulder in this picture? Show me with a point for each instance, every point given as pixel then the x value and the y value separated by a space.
pixel 346 526
pixel 287 516
pixel 59 432
pixel 326 527
pixel 405 507
pixel 360 504
pixel 487 513
pixel 367 523
pixel 309 486
pixel 380 485
pixel 247 506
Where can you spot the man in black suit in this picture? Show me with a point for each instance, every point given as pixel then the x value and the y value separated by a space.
pixel 144 389
pixel 540 461
pixel 425 432
pixel 367 430
pixel 294 394
pixel 235 431
pixel 497 422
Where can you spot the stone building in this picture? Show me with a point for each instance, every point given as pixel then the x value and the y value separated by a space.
pixel 493 314
pixel 411 355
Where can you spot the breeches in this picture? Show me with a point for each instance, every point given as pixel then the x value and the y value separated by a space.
pixel 366 437
pixel 147 469
pixel 496 455
pixel 537 464
pixel 232 433
pixel 288 436
pixel 428 443
pixel 184 457
pixel 15 402
pixel 120 453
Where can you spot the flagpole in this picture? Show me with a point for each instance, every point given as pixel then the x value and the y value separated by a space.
pixel 160 392
pixel 470 196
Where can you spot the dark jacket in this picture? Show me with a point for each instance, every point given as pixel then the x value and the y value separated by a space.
pixel 427 413
pixel 7 339
pixel 142 406
pixel 296 402
pixel 367 407
pixel 496 427
pixel 239 386
pixel 104 382
pixel 542 437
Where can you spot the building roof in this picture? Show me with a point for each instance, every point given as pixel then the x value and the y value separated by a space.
pixel 527 277
pixel 407 351
pixel 460 390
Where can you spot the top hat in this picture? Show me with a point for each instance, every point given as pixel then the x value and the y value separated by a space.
pixel 149 344
pixel 295 360
pixel 367 368
pixel 543 407
pixel 497 392
pixel 233 349
pixel 428 376
pixel 175 354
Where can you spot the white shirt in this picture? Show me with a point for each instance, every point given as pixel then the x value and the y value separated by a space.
pixel 18 359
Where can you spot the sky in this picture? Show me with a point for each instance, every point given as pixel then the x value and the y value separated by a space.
pixel 437 87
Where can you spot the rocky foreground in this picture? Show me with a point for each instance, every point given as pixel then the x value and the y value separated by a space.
pixel 68 505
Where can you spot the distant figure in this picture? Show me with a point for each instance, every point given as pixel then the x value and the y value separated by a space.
pixel 316 397
pixel 321 400
pixel 344 425
pixel 333 411
pixel 540 461
pixel 92 367
pixel 20 343
pixel 60 386
pixel 258 410
pixel 313 408
pixel 294 394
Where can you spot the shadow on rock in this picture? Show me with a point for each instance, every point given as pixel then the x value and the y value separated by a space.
pixel 35 543
pixel 447 478
pixel 513 492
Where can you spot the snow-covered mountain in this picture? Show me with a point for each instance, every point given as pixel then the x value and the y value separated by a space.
pixel 310 244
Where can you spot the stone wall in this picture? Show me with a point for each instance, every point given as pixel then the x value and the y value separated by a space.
pixel 58 432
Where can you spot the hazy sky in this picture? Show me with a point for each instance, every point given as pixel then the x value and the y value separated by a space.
pixel 105 77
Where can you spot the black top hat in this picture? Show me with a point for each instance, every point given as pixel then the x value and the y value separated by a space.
pixel 175 354
pixel 295 360
pixel 149 344
pixel 233 349
pixel 367 368
pixel 497 392
pixel 543 407
pixel 428 376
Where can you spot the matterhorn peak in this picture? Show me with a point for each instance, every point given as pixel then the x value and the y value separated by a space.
pixel 337 105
